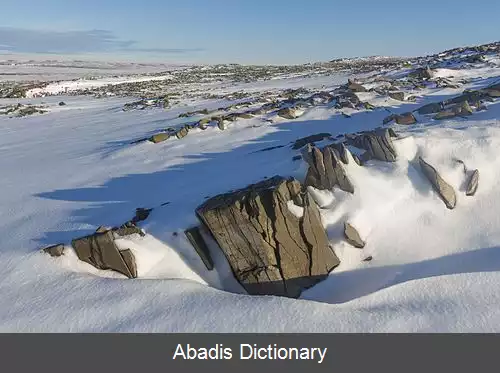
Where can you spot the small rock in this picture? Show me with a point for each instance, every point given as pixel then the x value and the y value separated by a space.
pixel 445 190
pixel 299 143
pixel 399 96
pixel 159 137
pixel 431 108
pixel 102 229
pixel 196 239
pixel 297 158
pixel 368 259
pixel 62 103
pixel 352 236
pixel 473 183
pixel 55 250
pixel 288 113
pixel 405 119
pixel 182 133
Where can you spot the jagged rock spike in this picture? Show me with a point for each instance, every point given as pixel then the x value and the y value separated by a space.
pixel 444 190
pixel 352 236
pixel 473 183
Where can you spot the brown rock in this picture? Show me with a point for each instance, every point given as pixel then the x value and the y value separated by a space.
pixel 473 183
pixel 352 236
pixel 196 239
pixel 160 137
pixel 444 190
pixel 399 96
pixel 270 250
pixel 100 251
pixel 55 250
pixel 183 132
pixel 405 119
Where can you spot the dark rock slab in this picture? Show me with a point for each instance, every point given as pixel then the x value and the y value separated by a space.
pixel 299 143
pixel 160 137
pixel 100 251
pixel 405 119
pixel 352 236
pixel 399 96
pixel 270 250
pixel 129 259
pixel 472 184
pixel 444 190
pixel 378 145
pixel 431 108
pixel 196 239
pixel 183 132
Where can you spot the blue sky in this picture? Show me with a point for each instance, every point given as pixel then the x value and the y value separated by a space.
pixel 251 31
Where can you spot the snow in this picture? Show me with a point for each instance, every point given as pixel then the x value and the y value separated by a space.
pixel 73 169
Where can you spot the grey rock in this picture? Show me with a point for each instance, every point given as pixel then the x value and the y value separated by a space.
pixel 472 183
pixel 444 190
pixel 405 119
pixel 270 250
pixel 196 239
pixel 399 96
pixel 55 250
pixel 100 251
pixel 352 236
pixel 183 132
pixel 299 143
pixel 431 108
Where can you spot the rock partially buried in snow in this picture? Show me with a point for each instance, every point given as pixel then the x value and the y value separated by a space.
pixel 160 137
pixel 196 239
pixel 352 236
pixel 458 110
pixel 445 190
pixel 183 132
pixel 289 113
pixel 326 170
pixel 405 119
pixel 399 96
pixel 270 250
pixel 378 145
pixel 431 108
pixel 299 143
pixel 55 250
pixel 100 251
pixel 473 183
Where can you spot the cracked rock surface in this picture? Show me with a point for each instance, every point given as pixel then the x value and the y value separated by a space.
pixel 271 251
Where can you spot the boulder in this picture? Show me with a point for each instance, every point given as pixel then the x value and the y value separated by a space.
pixel 55 250
pixel 352 236
pixel 299 143
pixel 399 96
pixel 270 250
pixel 194 236
pixel 472 184
pixel 100 251
pixel 444 190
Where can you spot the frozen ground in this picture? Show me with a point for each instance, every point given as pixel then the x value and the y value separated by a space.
pixel 69 171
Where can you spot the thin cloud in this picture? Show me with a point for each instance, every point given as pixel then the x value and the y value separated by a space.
pixel 92 41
